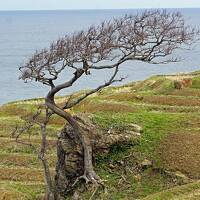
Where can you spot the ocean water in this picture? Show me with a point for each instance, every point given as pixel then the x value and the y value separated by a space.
pixel 23 32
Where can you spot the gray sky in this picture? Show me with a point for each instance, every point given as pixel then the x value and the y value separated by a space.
pixel 94 4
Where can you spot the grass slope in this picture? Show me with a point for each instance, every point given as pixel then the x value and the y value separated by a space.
pixel 171 124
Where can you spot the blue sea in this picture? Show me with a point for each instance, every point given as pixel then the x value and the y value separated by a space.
pixel 24 32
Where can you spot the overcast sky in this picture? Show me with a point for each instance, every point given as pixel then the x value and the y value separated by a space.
pixel 94 4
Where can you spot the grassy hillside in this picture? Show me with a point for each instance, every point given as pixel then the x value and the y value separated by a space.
pixel 170 140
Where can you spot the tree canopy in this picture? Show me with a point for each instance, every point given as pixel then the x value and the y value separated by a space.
pixel 149 37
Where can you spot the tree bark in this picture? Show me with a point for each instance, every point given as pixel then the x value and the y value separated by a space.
pixel 49 186
pixel 89 174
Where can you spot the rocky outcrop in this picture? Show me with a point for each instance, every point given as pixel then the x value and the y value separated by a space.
pixel 146 164
pixel 70 156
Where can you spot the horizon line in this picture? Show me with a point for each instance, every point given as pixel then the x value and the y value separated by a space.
pixel 83 9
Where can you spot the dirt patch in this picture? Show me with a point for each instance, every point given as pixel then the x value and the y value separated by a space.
pixel 181 152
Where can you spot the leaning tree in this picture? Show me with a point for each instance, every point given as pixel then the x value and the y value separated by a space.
pixel 150 37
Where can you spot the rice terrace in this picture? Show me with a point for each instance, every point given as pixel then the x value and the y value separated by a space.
pixel 162 164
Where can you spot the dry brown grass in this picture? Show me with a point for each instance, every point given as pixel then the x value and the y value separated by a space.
pixel 23 160
pixel 13 110
pixel 21 174
pixel 186 92
pixel 171 100
pixel 181 152
pixel 11 195
pixel 92 107
pixel 153 84
pixel 10 190
pixel 58 121
pixel 123 97
pixel 7 142
pixel 17 160
pixel 171 109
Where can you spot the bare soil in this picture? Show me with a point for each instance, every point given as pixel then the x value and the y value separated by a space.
pixel 181 152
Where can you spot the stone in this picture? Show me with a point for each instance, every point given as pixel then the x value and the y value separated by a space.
pixel 146 164
pixel 111 166
pixel 134 133
pixel 135 128
pixel 179 175
pixel 70 153
pixel 110 131
pixel 75 196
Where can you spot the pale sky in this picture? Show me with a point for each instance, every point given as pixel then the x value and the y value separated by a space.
pixel 95 4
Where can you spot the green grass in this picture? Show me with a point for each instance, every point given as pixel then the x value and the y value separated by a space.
pixel 196 82
pixel 154 104
pixel 155 125
pixel 26 190
pixel 180 192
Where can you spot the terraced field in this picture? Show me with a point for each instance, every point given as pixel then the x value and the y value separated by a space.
pixel 170 140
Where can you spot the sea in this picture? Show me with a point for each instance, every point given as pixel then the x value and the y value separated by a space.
pixel 24 32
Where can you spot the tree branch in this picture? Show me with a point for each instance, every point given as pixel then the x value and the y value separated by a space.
pixel 106 84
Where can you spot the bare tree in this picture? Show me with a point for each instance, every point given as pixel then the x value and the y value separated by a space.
pixel 30 121
pixel 151 37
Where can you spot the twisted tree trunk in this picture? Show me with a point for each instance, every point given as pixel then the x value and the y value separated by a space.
pixel 80 134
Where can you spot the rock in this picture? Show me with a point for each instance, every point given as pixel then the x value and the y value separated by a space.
pixel 146 164
pixel 70 153
pixel 75 196
pixel 133 133
pixel 179 175
pixel 135 128
pixel 139 98
pixel 110 131
pixel 111 166
pixel 121 162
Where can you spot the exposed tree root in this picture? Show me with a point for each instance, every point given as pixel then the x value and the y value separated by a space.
pixel 90 177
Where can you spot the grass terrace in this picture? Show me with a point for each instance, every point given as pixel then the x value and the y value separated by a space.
pixel 170 140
